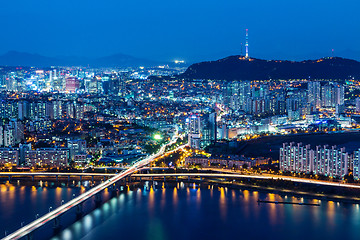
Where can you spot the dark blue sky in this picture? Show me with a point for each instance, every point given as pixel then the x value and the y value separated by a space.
pixel 190 29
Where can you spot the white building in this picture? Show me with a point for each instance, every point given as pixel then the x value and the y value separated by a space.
pixel 332 162
pixel 194 131
pixel 53 157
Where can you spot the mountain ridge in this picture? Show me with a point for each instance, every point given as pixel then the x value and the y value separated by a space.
pixel 238 67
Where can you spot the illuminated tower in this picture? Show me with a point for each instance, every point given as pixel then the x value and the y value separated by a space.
pixel 247 44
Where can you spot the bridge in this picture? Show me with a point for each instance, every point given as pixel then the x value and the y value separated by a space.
pixel 226 176
pixel 56 175
pixel 55 214
pixel 95 191
pixel 67 175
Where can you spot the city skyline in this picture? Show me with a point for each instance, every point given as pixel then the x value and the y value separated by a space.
pixel 179 119
pixel 184 30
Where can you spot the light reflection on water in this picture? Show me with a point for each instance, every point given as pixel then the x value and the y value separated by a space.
pixel 331 213
pixel 175 196
pixel 164 211
pixel 194 206
pixel 22 202
pixel 222 203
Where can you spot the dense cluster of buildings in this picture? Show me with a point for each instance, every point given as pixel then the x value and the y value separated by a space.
pixel 42 157
pixel 25 155
pixel 116 111
pixel 278 98
pixel 323 160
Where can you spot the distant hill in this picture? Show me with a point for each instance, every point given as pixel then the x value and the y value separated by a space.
pixel 14 58
pixel 240 68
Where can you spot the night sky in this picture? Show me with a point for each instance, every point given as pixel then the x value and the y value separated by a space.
pixel 192 30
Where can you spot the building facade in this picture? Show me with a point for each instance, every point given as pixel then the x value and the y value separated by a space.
pixel 324 160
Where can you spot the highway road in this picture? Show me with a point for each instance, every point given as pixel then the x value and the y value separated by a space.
pixel 24 231
pixel 231 175
pixel 53 174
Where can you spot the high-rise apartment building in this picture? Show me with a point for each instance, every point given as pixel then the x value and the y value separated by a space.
pixel 332 162
pixel 314 97
pixel 194 131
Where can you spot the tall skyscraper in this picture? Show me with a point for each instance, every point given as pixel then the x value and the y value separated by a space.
pixel 332 95
pixel 202 130
pixel 327 96
pixel 194 133
pixel 314 90
pixel 244 93
pixel 208 129
pixel 339 95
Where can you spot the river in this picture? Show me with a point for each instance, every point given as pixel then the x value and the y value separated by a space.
pixel 184 211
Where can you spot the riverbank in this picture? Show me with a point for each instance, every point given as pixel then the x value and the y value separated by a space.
pixel 327 193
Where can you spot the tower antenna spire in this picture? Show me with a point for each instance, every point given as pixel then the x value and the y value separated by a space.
pixel 247 44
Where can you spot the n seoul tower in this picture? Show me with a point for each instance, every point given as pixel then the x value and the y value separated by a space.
pixel 247 44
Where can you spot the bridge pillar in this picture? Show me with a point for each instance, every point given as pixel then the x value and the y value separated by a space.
pixel 113 190
pixel 152 178
pixel 92 178
pixel 80 178
pixel 140 179
pixel 79 210
pixel 104 178
pixel 164 178
pixel 57 177
pixel 69 178
pixel 9 178
pixel 57 225
pixel 189 178
pixel 29 236
pixel 32 177
pixel 98 199
pixel 200 178
pixel 176 178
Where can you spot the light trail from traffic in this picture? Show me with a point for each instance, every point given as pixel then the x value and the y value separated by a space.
pixel 29 228
pixel 229 175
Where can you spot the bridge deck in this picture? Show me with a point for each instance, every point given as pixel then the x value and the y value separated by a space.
pixel 24 231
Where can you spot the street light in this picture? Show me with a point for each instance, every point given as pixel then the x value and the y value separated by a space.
pixel 62 201
pixel 50 208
